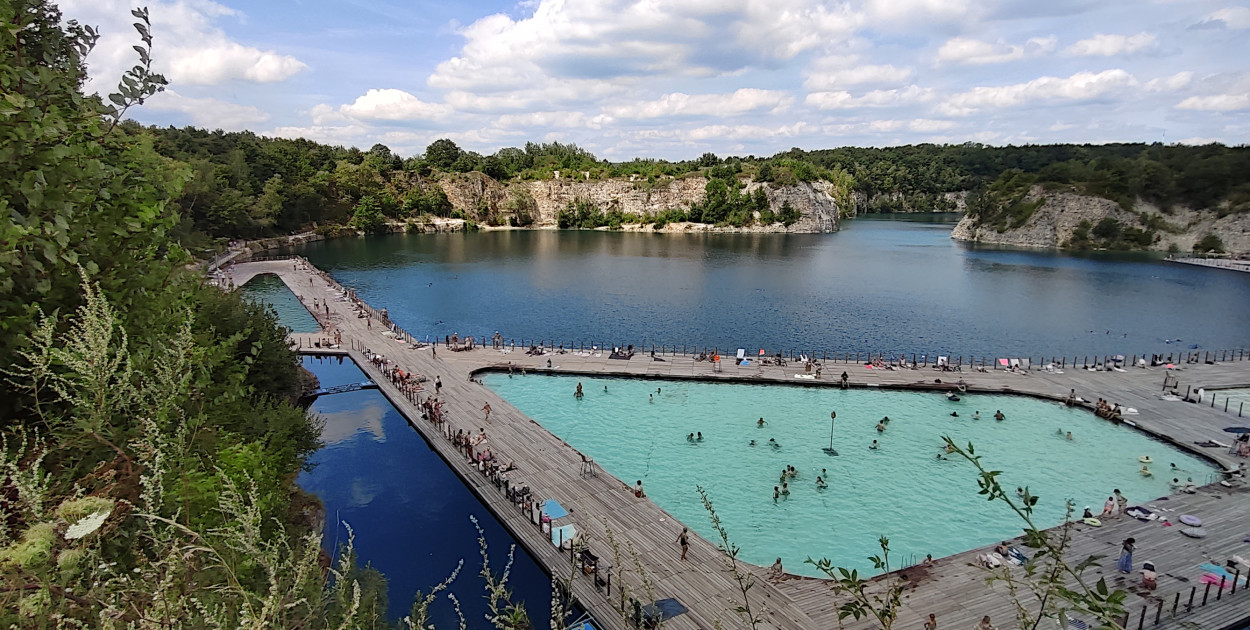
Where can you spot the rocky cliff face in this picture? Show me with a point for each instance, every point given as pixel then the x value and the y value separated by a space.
pixel 1061 215
pixel 478 196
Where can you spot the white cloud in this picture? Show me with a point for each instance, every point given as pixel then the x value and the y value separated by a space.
pixel 1080 86
pixel 1216 103
pixel 1236 18
pixel 393 105
pixel 973 51
pixel 678 104
pixel 209 113
pixel 876 98
pixel 919 10
pixel 1168 84
pixel 189 46
pixel 1102 45
pixel 745 132
pixel 834 73
pixel 927 125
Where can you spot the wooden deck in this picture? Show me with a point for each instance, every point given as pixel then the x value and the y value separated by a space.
pixel 953 588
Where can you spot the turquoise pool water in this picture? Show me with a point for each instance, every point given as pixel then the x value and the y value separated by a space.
pixel 902 490
pixel 269 289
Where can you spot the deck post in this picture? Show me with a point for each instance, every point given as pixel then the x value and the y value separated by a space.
pixel 1176 602
pixel 1159 611
pixel 1189 607
pixel 1206 592
pixel 1219 593
pixel 1141 619
pixel 1236 575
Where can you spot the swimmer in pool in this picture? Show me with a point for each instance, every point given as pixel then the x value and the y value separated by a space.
pixel 1145 471
pixel 699 438
pixel 752 443
pixel 954 414
pixel 1058 431
pixel 776 493
pixel 874 445
pixel 820 483
pixel 1019 491
pixel 976 415
pixel 773 443
pixel 1069 436
pixel 760 423
pixel 998 415
pixel 880 427
pixel 690 438
pixel 785 489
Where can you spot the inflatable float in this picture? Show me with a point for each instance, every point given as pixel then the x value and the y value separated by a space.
pixel 1092 522
pixel 1145 459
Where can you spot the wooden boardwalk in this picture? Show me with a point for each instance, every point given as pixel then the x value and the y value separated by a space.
pixel 953 588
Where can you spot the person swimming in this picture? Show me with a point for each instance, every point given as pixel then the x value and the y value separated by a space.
pixel 760 423
pixel 954 414
pixel 820 483
pixel 1145 471
pixel 773 443
pixel 690 438
pixel 998 415
pixel 976 415
pixel 874 445
pixel 751 443
pixel 785 489
pixel 776 492
pixel 1019 491
pixel 880 427
pixel 1058 431
pixel 699 437
pixel 1069 436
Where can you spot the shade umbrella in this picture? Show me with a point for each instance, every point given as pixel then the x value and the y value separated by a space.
pixel 1237 430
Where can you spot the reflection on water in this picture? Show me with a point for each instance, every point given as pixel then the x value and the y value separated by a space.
pixel 879 285
pixel 341 425
pixel 409 511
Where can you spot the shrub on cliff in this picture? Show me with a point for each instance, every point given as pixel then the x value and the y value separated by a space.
pixel 1211 243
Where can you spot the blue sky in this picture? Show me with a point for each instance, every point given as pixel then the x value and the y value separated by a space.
pixel 668 79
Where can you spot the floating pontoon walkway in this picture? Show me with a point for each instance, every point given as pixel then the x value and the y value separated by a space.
pixel 953 588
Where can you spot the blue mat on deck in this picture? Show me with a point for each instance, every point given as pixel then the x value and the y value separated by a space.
pixel 668 608
pixel 552 508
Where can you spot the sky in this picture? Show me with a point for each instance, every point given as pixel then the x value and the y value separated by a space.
pixel 674 79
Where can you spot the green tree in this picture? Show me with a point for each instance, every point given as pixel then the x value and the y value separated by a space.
pixel 367 216
pixel 1209 243
pixel 442 153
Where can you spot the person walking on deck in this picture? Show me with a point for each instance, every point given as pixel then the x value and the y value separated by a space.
pixel 683 539
pixel 486 408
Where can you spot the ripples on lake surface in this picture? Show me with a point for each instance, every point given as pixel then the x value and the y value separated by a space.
pixel 879 285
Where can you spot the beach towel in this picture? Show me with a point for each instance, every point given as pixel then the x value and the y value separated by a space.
pixel 1211 578
pixel 552 508
pixel 665 609
pixel 1216 569
pixel 563 536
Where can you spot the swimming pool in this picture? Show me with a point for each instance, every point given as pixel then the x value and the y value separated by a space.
pixel 270 289
pixel 901 490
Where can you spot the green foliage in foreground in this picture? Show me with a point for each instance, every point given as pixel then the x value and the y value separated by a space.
pixel 148 436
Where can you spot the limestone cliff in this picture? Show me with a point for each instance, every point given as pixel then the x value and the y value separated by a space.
pixel 1069 220
pixel 483 198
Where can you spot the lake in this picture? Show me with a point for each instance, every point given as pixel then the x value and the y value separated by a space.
pixel 892 285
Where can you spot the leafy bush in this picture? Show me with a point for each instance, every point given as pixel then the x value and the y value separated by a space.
pixel 1209 243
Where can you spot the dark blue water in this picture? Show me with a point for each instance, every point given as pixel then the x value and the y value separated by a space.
pixel 879 285
pixel 409 511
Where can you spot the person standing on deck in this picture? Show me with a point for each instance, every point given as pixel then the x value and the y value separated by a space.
pixel 438 384
pixel 486 408
pixel 1126 556
pixel 1121 502
pixel 683 539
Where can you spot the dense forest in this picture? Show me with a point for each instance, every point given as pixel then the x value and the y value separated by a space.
pixel 244 185
pixel 149 439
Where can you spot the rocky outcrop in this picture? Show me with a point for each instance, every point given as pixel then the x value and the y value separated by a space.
pixel 897 202
pixel 479 196
pixel 1065 215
